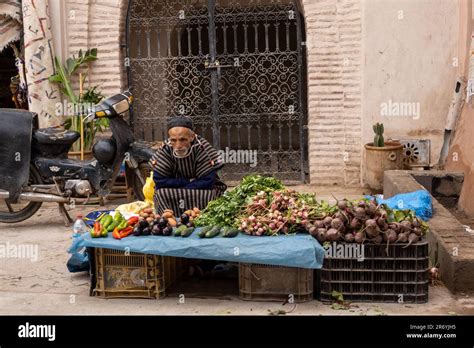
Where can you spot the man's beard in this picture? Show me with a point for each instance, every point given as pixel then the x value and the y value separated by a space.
pixel 184 153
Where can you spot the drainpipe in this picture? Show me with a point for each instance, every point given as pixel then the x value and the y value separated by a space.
pixel 453 114
pixel 459 95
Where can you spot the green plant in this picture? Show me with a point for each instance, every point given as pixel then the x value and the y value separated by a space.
pixel 82 101
pixel 378 139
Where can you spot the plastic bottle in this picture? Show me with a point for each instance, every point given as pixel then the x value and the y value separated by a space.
pixel 79 227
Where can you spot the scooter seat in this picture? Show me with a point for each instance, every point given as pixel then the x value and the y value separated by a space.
pixel 52 135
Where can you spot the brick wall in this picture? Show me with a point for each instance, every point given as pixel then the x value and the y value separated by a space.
pixel 99 24
pixel 334 41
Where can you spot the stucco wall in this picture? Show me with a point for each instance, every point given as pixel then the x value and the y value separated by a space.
pixel 411 56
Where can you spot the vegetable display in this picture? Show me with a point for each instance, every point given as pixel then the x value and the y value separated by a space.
pixel 224 211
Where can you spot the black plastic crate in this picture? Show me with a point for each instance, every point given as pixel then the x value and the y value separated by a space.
pixel 401 275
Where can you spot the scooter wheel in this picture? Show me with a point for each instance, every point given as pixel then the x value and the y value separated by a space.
pixel 9 214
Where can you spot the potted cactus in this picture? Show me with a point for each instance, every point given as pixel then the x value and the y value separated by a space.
pixel 381 156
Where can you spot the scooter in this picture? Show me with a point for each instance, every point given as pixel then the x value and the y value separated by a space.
pixel 34 167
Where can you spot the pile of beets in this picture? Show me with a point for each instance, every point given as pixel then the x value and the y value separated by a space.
pixel 364 220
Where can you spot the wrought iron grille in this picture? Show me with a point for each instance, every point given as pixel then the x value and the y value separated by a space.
pixel 235 67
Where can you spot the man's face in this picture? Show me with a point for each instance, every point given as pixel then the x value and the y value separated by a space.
pixel 180 139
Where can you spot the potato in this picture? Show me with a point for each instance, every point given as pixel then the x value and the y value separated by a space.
pixel 148 210
pixel 168 210
pixel 144 215
pixel 167 215
pixel 172 222
pixel 157 216
pixel 196 210
pixel 191 218
pixel 188 212
pixel 149 219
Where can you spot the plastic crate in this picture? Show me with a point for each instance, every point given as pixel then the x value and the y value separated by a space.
pixel 401 275
pixel 133 275
pixel 275 283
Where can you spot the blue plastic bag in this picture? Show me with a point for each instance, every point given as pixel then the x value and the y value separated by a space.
pixel 79 260
pixel 418 201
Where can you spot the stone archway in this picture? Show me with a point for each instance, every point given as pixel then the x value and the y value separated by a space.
pixel 334 76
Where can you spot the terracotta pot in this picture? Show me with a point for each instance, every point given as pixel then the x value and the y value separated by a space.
pixel 380 159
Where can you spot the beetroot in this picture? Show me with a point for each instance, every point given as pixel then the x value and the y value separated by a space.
pixel 313 230
pixel 418 231
pixel 327 221
pixel 402 238
pixel 321 235
pixel 360 213
pixel 349 237
pixel 355 223
pixel 332 235
pixel 412 238
pixel 391 236
pixel 405 226
pixel 359 237
pixel 342 205
pixel 319 224
pixel 377 239
pixel 337 223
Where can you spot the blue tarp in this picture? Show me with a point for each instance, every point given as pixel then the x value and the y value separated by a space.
pixel 419 201
pixel 300 250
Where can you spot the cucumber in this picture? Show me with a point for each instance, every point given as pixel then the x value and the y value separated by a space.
pixel 179 230
pixel 213 232
pixel 231 233
pixel 187 232
pixel 203 231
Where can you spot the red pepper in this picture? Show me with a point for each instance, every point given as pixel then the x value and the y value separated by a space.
pixel 97 229
pixel 116 233
pixel 132 221
pixel 126 232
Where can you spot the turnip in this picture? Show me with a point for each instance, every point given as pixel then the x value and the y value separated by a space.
pixel 349 237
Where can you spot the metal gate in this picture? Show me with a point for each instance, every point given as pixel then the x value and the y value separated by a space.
pixel 235 67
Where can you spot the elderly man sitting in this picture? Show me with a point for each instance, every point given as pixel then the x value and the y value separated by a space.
pixel 185 169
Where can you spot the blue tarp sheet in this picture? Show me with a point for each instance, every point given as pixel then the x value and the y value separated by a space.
pixel 418 201
pixel 300 250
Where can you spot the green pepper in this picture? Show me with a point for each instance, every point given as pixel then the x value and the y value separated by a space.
pixel 112 225
pixel 118 217
pixel 123 224
pixel 106 221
